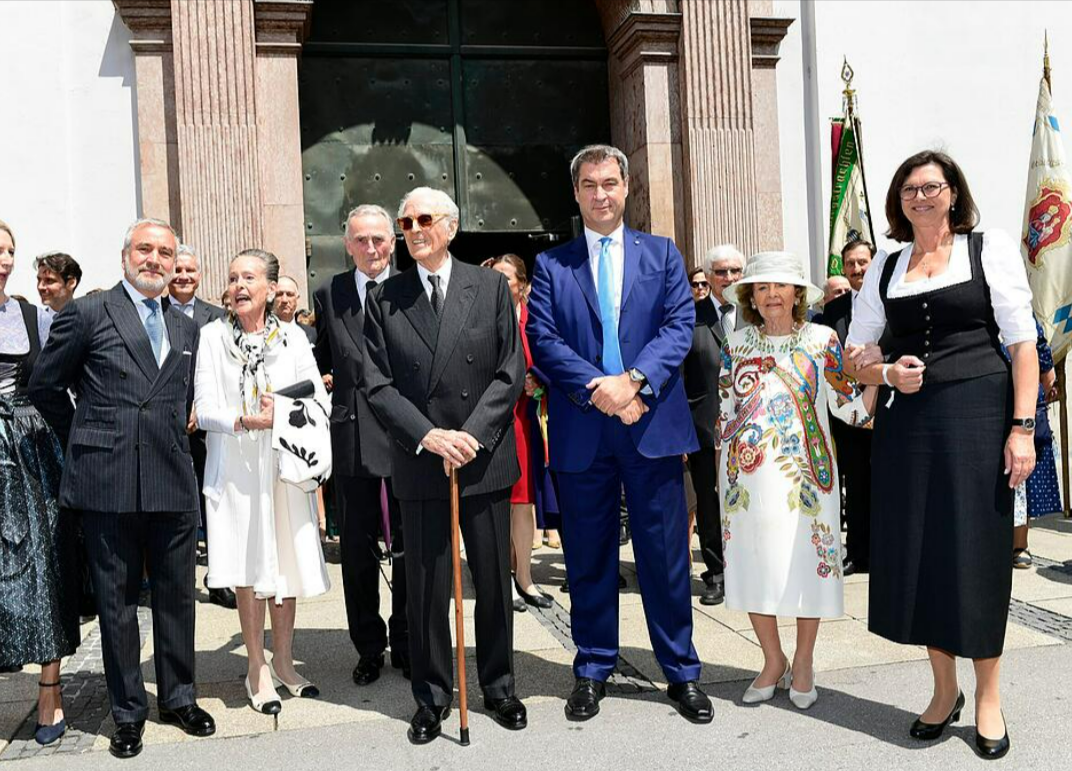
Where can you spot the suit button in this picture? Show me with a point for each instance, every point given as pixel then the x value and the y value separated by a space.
pixel 599 359
pixel 123 374
pixel 143 408
pixel 926 318
pixel 469 358
pixel 174 413
pixel 926 356
pixel 924 306
pixel 416 366
pixel 185 381
pixel 353 418
pixel 465 393
pixel 174 448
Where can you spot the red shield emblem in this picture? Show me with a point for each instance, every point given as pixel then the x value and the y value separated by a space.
pixel 1048 220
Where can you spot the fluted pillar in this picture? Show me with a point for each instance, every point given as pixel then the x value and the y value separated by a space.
pixel 216 117
pixel 716 73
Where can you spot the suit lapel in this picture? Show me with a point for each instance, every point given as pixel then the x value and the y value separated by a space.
pixel 582 271
pixel 459 300
pixel 631 263
pixel 347 303
pixel 418 310
pixel 176 341
pixel 128 324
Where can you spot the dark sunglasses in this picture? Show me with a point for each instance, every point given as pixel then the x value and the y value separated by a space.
pixel 699 284
pixel 424 221
pixel 727 272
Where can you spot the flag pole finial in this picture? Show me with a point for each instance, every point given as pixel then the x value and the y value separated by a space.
pixel 849 93
pixel 1046 56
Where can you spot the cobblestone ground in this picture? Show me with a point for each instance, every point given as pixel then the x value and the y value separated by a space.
pixel 1040 618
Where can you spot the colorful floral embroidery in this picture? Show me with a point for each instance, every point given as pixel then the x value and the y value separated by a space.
pixel 828 549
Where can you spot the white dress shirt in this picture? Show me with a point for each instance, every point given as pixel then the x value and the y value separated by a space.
pixel 444 277
pixel 138 299
pixel 617 259
pixel 362 282
pixel 1003 270
pixel 187 309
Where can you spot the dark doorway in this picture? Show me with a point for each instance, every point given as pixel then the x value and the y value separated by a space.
pixel 484 99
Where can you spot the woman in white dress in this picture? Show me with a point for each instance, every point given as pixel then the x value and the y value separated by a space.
pixel 263 534
pixel 780 499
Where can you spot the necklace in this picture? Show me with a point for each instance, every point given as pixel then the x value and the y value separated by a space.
pixel 764 343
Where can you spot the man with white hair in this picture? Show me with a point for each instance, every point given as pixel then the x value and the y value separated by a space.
pixel 834 287
pixel 724 265
pixel 285 307
pixel 446 369
pixel 129 474
pixel 361 448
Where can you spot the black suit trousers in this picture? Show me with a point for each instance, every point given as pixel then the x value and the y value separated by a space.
pixel 485 526
pixel 854 466
pixel 708 517
pixel 118 545
pixel 359 506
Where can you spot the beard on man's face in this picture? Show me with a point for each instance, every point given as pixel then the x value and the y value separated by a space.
pixel 144 281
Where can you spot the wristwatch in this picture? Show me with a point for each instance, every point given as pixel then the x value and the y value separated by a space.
pixel 637 376
pixel 1027 424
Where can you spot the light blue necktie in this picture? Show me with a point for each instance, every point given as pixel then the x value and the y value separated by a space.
pixel 612 354
pixel 154 327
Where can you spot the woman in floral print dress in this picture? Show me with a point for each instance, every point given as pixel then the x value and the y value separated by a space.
pixel 781 505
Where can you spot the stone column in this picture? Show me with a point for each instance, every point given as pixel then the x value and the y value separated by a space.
pixel 215 108
pixel 721 204
pixel 281 26
pixel 149 22
pixel 645 117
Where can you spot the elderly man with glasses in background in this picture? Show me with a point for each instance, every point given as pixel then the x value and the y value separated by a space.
pixel 724 265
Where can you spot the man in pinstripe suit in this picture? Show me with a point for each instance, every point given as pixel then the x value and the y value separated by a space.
pixel 129 473
pixel 445 370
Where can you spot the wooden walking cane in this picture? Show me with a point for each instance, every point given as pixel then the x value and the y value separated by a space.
pixel 459 617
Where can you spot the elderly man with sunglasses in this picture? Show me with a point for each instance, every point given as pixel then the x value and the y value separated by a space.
pixel 446 368
pixel 715 317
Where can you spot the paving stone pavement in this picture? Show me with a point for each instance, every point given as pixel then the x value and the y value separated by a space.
pixel 848 660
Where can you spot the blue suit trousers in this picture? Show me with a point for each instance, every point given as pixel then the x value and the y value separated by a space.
pixel 655 495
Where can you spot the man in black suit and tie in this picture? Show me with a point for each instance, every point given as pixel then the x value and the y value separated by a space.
pixel 715 316
pixel 287 296
pixel 182 294
pixel 361 449
pixel 129 473
pixel 853 445
pixel 447 367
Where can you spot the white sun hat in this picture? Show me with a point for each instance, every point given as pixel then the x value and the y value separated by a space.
pixel 775 268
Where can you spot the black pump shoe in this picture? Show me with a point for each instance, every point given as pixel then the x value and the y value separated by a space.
pixel 928 732
pixel 992 749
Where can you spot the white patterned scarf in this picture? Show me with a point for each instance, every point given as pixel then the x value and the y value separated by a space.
pixel 250 349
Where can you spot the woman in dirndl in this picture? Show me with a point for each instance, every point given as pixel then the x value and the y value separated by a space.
pixel 39 578
pixel 954 439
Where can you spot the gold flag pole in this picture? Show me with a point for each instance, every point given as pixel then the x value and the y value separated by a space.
pixel 1062 395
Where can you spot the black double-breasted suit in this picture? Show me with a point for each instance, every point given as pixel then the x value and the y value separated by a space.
pixel 463 370
pixel 130 474
pixel 361 455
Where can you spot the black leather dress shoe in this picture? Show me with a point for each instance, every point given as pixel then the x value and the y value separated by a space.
pixel 368 669
pixel 427 724
pixel 193 720
pixel 126 741
pixel 583 703
pixel 223 597
pixel 509 712
pixel 692 703
pixel 851 568
pixel 714 591
pixel 401 661
pixel 992 749
pixel 928 732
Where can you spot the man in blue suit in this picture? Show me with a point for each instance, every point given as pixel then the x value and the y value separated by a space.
pixel 610 322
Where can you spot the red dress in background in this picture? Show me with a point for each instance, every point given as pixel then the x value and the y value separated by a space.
pixel 524 489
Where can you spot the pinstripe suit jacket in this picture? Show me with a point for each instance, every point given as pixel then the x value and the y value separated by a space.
pixel 127 448
pixel 465 372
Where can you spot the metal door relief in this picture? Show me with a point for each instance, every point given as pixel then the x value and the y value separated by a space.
pixel 484 99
